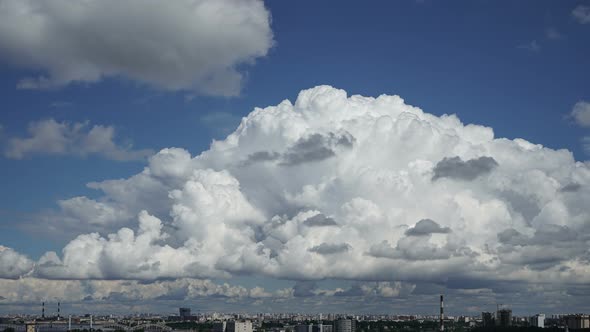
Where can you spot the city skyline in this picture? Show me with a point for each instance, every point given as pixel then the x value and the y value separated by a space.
pixel 278 157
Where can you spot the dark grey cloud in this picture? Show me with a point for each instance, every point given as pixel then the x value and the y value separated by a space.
pixel 554 234
pixel 536 257
pixel 382 249
pixel 354 290
pixel 304 288
pixel 525 205
pixel 426 227
pixel 316 147
pixel 330 248
pixel 456 168
pixel 261 156
pixel 571 187
pixel 454 282
pixel 513 237
pixel 548 247
pixel 319 220
pixel 312 148
pixel 548 235
pixel 414 249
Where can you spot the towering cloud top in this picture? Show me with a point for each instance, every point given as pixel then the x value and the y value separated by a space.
pixel 340 187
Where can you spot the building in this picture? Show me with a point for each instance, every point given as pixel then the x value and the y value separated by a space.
pixel 504 317
pixel 239 326
pixel 304 328
pixel 487 319
pixel 219 326
pixel 30 327
pixel 184 313
pixel 578 321
pixel 345 325
pixel 537 320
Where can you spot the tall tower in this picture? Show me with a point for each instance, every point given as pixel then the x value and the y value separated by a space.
pixel 442 315
pixel 43 310
pixel 58 312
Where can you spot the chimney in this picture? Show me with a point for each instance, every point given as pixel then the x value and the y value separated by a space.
pixel 442 315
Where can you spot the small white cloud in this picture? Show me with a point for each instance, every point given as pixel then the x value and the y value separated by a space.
pixel 581 14
pixel 581 113
pixel 552 33
pixel 61 104
pixel 49 137
pixel 586 144
pixel 532 46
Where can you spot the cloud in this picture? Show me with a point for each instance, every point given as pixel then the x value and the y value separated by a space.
pixel 320 220
pixel 426 227
pixel 261 156
pixel 49 137
pixel 383 250
pixel 456 168
pixel 581 113
pixel 581 14
pixel 36 290
pixel 330 248
pixel 313 148
pixel 13 264
pixel 188 45
pixel 316 147
pixel 571 187
pixel 512 236
pixel 61 104
pixel 413 248
pixel 531 46
pixel 552 33
pixel 304 289
pixel 586 144
pixel 212 216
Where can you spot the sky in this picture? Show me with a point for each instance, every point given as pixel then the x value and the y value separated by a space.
pixel 295 156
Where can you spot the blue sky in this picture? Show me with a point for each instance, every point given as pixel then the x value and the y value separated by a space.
pixel 517 67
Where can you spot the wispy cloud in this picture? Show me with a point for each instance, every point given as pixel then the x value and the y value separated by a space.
pixel 49 137
pixel 532 46
pixel 553 34
pixel 586 144
pixel 61 104
pixel 581 14
pixel 581 113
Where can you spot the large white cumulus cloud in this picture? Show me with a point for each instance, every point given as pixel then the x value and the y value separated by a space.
pixel 13 264
pixel 191 45
pixel 348 188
